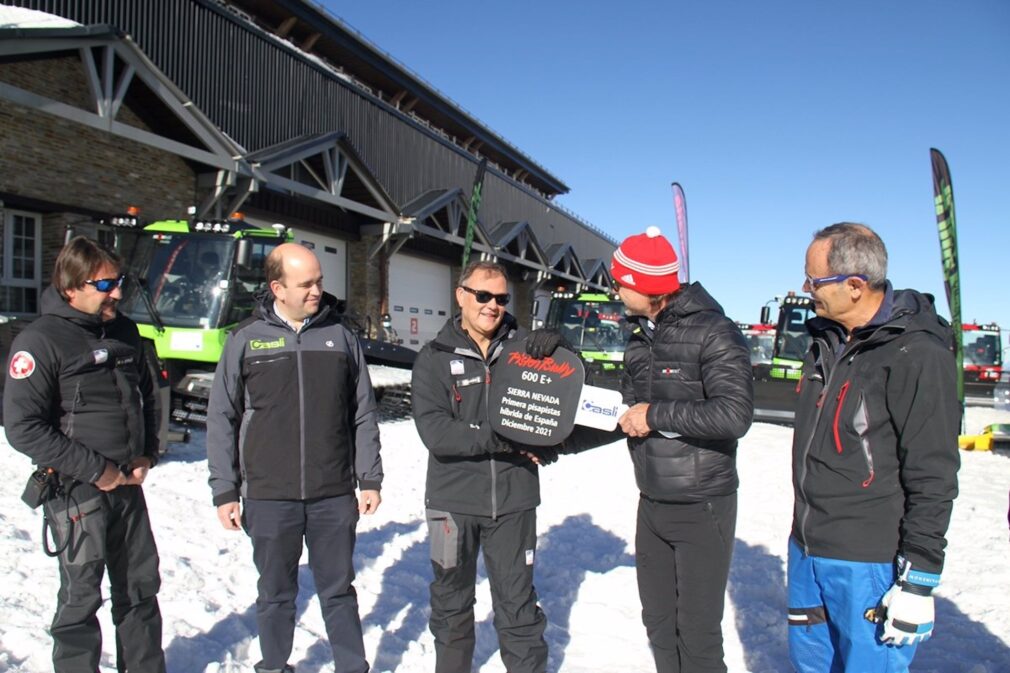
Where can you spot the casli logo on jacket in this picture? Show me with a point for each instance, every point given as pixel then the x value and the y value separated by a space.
pixel 257 345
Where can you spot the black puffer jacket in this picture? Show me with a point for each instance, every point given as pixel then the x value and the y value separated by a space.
pixel 79 392
pixel 693 369
pixel 875 454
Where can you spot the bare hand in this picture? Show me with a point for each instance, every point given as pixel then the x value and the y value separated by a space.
pixel 534 458
pixel 230 515
pixel 369 502
pixel 138 469
pixel 634 422
pixel 111 479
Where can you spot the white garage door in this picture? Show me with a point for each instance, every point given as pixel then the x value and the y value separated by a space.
pixel 419 298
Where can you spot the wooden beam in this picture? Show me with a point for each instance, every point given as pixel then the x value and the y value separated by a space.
pixel 287 24
pixel 310 42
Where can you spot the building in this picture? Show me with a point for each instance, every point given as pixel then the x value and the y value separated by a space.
pixel 277 109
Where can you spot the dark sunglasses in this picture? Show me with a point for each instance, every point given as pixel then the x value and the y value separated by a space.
pixel 106 284
pixel 483 296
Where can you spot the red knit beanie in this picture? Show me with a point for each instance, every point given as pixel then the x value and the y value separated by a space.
pixel 646 263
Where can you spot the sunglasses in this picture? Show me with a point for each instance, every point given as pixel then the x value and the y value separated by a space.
pixel 483 296
pixel 816 283
pixel 106 284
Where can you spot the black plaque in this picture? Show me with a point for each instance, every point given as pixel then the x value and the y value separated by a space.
pixel 534 401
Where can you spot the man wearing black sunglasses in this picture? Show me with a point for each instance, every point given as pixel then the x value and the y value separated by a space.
pixel 482 491
pixel 79 400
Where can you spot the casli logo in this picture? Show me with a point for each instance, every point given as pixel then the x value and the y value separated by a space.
pixel 597 409
pixel 258 345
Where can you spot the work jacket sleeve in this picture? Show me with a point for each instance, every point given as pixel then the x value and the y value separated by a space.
pixel 32 412
pixel 152 405
pixel 367 447
pixel 443 433
pixel 922 400
pixel 224 418
pixel 727 409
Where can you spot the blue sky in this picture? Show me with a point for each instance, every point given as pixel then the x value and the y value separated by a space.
pixel 777 117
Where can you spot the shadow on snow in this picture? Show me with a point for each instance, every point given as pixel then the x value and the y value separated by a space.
pixel 757 589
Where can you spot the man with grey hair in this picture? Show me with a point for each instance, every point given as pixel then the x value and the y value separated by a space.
pixel 874 462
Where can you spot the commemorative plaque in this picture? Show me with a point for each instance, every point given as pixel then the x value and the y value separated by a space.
pixel 534 401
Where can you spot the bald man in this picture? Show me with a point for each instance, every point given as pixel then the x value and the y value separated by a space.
pixel 292 430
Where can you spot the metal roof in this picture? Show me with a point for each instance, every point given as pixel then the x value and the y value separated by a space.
pixel 315 31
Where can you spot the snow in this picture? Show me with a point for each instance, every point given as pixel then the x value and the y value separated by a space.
pixel 19 17
pixel 584 571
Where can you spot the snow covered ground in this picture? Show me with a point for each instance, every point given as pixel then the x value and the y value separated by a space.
pixel 585 569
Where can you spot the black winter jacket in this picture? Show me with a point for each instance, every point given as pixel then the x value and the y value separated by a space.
pixel 469 471
pixel 292 415
pixel 79 393
pixel 693 369
pixel 875 454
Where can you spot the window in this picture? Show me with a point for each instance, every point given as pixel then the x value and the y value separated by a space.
pixel 20 262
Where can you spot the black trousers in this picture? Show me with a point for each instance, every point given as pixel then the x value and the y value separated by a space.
pixel 327 525
pixel 106 530
pixel 683 552
pixel 509 544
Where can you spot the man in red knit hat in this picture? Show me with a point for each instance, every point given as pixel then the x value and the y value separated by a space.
pixel 689 389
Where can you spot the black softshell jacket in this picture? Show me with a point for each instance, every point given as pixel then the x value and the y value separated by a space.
pixel 693 369
pixel 292 415
pixel 875 454
pixel 89 399
pixel 468 470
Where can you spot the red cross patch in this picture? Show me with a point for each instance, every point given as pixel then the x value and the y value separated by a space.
pixel 22 365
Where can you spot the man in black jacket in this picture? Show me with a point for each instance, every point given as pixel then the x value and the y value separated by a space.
pixel 689 388
pixel 481 491
pixel 292 429
pixel 874 462
pixel 79 400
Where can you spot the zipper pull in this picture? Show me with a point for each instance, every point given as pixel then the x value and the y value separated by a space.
pixel 487 376
pixel 455 393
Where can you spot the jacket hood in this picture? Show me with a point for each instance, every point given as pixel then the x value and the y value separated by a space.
pixel 452 336
pixel 329 308
pixel 54 304
pixel 910 311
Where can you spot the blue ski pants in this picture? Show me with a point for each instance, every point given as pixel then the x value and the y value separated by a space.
pixel 828 632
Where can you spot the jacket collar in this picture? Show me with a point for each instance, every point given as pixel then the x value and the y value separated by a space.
pixel 454 339
pixel 326 314
pixel 53 303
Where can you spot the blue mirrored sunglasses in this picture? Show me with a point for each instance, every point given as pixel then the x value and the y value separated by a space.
pixel 814 283
pixel 106 284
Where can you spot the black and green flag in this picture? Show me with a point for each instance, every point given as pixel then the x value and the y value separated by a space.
pixel 471 216
pixel 943 193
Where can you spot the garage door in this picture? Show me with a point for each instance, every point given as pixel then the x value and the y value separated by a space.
pixel 419 298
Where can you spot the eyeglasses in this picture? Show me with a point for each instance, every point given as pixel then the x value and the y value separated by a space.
pixel 616 285
pixel 816 283
pixel 483 296
pixel 106 284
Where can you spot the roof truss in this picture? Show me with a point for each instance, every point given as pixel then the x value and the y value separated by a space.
pixel 112 65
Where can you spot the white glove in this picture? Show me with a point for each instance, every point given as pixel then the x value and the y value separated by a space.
pixel 908 606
